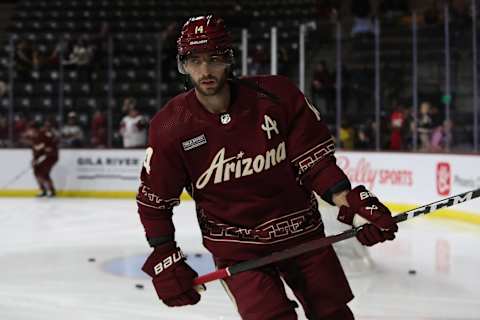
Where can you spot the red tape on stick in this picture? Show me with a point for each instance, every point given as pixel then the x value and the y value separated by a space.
pixel 212 276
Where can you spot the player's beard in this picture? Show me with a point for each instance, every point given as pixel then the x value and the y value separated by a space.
pixel 220 83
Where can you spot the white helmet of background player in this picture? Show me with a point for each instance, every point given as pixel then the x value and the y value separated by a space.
pixel 204 34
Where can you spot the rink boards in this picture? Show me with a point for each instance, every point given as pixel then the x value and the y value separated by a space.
pixel 401 179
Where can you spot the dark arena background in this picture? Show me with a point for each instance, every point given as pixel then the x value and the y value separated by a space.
pixel 396 81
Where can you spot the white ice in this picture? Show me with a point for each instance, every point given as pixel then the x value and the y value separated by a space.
pixel 45 272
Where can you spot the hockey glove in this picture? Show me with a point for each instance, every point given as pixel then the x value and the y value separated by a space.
pixel 366 208
pixel 39 160
pixel 172 277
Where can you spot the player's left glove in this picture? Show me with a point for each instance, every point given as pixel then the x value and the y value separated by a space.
pixel 172 277
pixel 366 208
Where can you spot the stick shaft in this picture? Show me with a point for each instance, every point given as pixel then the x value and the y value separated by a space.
pixel 437 205
pixel 18 176
pixel 323 242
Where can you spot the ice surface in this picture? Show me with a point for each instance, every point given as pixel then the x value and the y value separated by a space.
pixel 45 272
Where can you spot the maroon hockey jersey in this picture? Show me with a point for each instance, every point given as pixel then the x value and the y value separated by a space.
pixel 45 144
pixel 251 171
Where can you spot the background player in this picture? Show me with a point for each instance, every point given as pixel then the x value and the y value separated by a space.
pixel 45 155
pixel 251 152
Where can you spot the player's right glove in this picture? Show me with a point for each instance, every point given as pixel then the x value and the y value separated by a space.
pixel 366 208
pixel 39 160
pixel 172 277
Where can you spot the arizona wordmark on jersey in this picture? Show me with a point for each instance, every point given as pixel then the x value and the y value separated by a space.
pixel 237 166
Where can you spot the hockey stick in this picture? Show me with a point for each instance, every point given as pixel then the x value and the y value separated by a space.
pixel 323 242
pixel 22 173
pixel 17 177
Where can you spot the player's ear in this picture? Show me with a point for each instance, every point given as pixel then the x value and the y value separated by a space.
pixel 181 65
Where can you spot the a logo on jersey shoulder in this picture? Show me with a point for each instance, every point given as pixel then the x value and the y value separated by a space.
pixel 194 142
pixel 270 125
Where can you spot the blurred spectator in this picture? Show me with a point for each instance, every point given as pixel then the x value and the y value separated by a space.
pixel 408 128
pixel 424 126
pixel 323 91
pixel 98 130
pixel 72 135
pixel 362 22
pixel 81 54
pixel 3 131
pixel 363 139
pixel 259 60
pixel 26 58
pixel 347 136
pixel 397 122
pixel 128 103
pixel 440 135
pixel 133 129
pixel 80 58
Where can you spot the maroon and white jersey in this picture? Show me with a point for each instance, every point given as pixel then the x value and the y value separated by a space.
pixel 251 171
pixel 45 144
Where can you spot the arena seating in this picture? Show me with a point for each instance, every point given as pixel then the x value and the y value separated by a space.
pixel 134 27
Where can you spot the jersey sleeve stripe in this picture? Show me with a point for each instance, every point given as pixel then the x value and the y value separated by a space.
pixel 326 142
pixel 313 156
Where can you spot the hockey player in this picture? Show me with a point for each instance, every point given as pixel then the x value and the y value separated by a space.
pixel 45 155
pixel 251 152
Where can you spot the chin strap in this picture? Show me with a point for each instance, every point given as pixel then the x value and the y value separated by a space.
pixel 186 83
